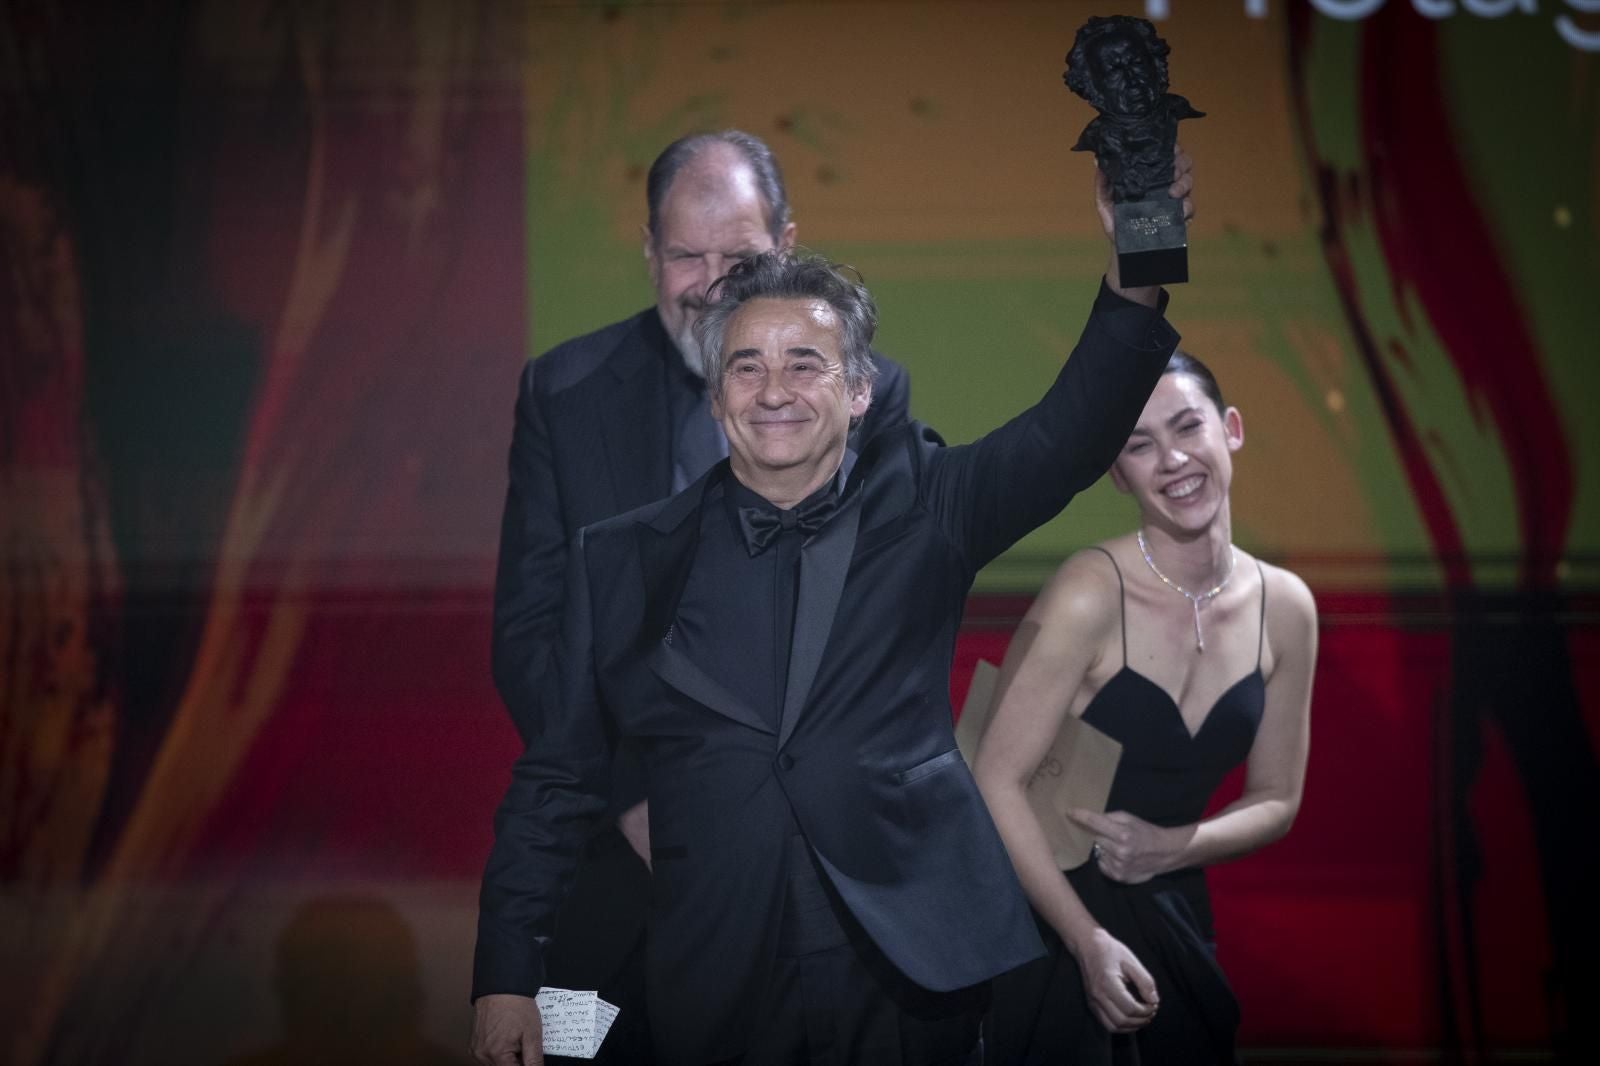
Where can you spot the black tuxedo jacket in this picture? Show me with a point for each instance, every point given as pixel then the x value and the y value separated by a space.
pixel 864 757
pixel 593 439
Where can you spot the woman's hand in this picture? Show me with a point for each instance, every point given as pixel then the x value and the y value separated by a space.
pixel 1120 991
pixel 1128 848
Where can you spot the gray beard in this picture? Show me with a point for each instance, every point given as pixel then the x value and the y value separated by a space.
pixel 689 351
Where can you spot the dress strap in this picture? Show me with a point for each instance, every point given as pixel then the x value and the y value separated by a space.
pixel 1122 601
pixel 1261 638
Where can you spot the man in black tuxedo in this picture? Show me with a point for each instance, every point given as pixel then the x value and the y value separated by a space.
pixel 605 423
pixel 617 418
pixel 775 641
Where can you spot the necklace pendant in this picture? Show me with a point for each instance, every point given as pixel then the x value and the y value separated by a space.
pixel 1195 599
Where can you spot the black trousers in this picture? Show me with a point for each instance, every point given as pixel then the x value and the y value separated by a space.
pixel 600 944
pixel 835 1000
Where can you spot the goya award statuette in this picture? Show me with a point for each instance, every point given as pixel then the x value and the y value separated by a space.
pixel 1119 65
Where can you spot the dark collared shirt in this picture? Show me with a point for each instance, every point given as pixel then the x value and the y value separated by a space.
pixel 736 616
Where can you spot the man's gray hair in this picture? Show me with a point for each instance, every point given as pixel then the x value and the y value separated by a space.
pixel 793 275
pixel 681 152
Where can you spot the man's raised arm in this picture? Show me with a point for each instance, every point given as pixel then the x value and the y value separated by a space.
pixel 1014 479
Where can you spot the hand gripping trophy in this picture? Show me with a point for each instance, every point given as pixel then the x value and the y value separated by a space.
pixel 1119 66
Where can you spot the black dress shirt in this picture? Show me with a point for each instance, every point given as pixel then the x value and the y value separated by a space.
pixel 736 617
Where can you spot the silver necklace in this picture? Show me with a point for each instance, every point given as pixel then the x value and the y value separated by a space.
pixel 1194 598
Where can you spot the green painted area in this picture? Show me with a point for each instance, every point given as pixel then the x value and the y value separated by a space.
pixel 981 347
pixel 983 324
pixel 592 129
pixel 580 276
pixel 1462 445
pixel 1285 297
pixel 1463 451
pixel 1329 62
pixel 1523 122
pixel 1531 145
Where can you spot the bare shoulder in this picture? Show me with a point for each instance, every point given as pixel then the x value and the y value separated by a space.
pixel 1291 611
pixel 1083 595
pixel 1288 597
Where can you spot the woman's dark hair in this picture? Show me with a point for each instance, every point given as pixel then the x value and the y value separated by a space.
pixel 1184 363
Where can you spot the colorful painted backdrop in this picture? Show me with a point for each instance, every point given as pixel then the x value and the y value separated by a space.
pixel 273 267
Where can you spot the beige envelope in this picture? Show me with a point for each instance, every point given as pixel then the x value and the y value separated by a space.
pixel 1075 772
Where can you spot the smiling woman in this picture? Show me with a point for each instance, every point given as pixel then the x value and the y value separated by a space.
pixel 1195 657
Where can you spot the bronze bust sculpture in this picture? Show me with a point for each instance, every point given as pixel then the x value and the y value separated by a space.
pixel 1119 65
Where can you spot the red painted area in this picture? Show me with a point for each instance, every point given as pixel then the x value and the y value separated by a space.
pixel 1510 918
pixel 390 752
pixel 1489 944
pixel 1326 934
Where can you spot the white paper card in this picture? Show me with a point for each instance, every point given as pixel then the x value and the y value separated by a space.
pixel 574 1022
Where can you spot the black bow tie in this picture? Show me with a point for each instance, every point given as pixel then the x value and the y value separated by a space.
pixel 761 525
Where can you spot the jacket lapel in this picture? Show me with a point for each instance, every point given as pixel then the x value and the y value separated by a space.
pixel 666 552
pixel 824 563
pixel 667 544
pixel 673 667
pixel 637 437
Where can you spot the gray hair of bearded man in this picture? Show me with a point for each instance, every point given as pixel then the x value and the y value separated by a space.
pixel 683 151
pixel 793 275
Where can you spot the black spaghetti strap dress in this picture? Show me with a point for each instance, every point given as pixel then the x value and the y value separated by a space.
pixel 1166 776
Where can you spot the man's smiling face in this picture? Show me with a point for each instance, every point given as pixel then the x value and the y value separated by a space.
pixel 784 404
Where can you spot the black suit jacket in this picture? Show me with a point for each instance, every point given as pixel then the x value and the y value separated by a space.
pixel 593 439
pixel 865 754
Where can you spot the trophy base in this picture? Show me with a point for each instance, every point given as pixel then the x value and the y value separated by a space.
pixel 1152 242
